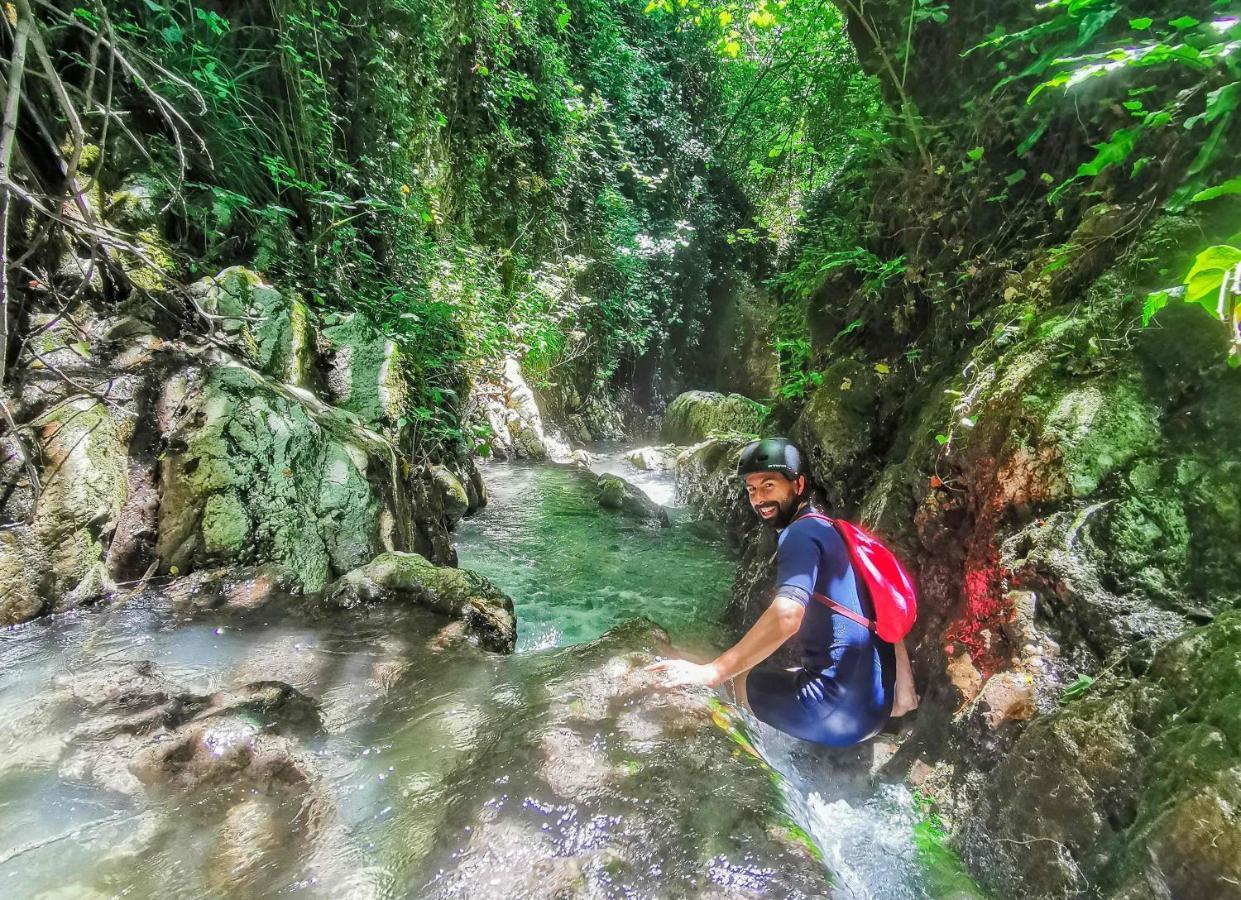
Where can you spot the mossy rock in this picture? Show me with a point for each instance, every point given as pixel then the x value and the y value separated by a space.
pixel 453 494
pixel 58 560
pixel 272 331
pixel 1135 785
pixel 614 492
pixel 696 415
pixel 410 578
pixel 1097 428
pixel 369 374
pixel 835 427
pixel 257 477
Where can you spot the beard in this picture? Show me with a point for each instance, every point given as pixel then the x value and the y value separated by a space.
pixel 784 512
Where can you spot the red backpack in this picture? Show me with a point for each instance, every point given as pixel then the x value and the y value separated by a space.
pixel 891 589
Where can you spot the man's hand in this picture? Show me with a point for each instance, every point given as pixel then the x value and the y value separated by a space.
pixel 683 673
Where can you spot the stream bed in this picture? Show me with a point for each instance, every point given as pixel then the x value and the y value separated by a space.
pixel 167 748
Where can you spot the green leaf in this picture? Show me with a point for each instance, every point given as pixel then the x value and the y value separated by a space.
pixel 1155 301
pixel 941 439
pixel 1221 102
pixel 1082 684
pixel 1202 284
pixel 1231 186
pixel 976 154
pixel 1141 24
pixel 1109 153
pixel 1015 177
pixel 1183 22
pixel 1032 138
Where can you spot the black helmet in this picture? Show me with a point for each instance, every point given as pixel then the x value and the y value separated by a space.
pixel 771 455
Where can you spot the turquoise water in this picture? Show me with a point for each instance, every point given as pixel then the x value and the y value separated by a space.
pixel 435 770
pixel 575 570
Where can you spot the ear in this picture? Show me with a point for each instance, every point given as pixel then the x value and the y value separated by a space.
pixel 801 484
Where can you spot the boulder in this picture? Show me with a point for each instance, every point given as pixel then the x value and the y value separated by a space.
pixel 654 459
pixel 614 492
pixel 58 559
pixel 269 329
pixel 410 578
pixel 259 475
pixel 453 494
pixel 697 415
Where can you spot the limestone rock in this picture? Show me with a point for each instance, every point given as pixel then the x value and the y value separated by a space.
pixel 59 558
pixel 506 405
pixel 614 492
pixel 697 415
pixel 654 459
pixel 410 578
pixel 271 331
pixel 1133 787
pixel 255 475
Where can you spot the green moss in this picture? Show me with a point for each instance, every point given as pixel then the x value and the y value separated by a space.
pixel 370 374
pixel 253 455
pixel 1099 427
pixel 943 874
pixel 697 415
pixel 273 331
pixel 225 525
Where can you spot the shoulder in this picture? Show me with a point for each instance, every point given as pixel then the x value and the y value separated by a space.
pixel 815 532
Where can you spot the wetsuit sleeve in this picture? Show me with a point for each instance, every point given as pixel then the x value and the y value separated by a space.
pixel 797 565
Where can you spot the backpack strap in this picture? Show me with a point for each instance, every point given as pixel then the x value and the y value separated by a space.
pixel 828 601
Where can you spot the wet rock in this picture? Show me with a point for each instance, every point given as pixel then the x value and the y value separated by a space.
pixel 619 779
pixel 237 740
pixel 257 475
pixel 697 415
pixel 410 578
pixel 244 587
pixel 614 492
pixel 456 502
pixel 1131 789
pixel 654 459
pixel 1007 697
pixel 270 330
pixel 59 558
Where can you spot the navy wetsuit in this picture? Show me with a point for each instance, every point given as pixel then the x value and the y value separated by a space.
pixel 843 692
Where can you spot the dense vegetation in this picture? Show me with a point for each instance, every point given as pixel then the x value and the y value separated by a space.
pixel 563 180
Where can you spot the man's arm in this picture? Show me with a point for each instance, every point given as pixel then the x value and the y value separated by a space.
pixel 777 624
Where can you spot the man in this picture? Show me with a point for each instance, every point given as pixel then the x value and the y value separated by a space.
pixel 850 681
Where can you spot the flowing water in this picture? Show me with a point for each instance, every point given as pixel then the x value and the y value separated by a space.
pixel 167 748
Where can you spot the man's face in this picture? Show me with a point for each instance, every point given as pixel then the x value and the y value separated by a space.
pixel 773 496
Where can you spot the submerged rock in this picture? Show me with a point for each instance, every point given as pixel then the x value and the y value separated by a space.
pixel 614 492
pixel 410 578
pixel 697 415
pixel 610 779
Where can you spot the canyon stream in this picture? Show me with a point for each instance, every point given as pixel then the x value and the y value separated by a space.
pixel 369 752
